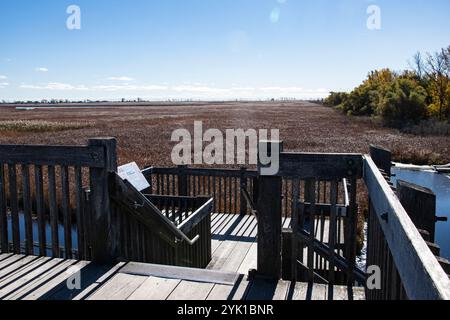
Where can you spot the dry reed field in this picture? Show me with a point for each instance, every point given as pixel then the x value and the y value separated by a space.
pixel 144 132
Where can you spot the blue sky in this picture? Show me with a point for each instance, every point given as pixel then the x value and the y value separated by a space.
pixel 207 49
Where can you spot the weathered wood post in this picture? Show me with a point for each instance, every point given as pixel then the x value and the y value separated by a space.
pixel 287 268
pixel 420 204
pixel 104 234
pixel 269 218
pixel 382 158
pixel 243 185
pixel 182 181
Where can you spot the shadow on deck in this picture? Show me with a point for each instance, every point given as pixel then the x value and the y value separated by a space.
pixel 234 254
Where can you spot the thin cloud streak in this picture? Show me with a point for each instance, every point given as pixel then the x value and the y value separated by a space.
pixel 201 92
pixel 120 79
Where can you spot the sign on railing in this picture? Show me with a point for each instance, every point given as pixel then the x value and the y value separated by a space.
pixel 133 175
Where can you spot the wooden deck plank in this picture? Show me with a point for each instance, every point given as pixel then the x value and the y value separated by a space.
pixel 268 289
pixel 225 222
pixel 120 287
pixel 220 292
pixel 12 268
pixel 221 234
pixel 92 277
pixel 240 226
pixel 10 260
pixel 220 222
pixel 235 259
pixel 305 291
pixel 188 274
pixel 240 289
pixel 42 284
pixel 221 255
pixel 251 228
pixel 36 266
pixel 227 246
pixel 14 289
pixel 250 260
pixel 342 293
pixel 154 288
pixel 189 290
pixel 4 256
pixel 45 285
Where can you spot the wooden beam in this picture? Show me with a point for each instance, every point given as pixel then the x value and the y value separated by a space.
pixel 422 276
pixel 85 156
pixel 324 166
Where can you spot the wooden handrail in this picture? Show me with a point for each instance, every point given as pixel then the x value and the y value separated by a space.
pixel 140 207
pixel 421 275
pixel 201 172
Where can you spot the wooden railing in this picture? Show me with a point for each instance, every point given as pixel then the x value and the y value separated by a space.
pixel 409 269
pixel 166 230
pixel 71 202
pixel 226 186
pixel 320 245
pixel 223 185
pixel 170 222
pixel 319 251
pixel 45 185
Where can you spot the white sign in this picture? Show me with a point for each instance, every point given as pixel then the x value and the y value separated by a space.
pixel 133 175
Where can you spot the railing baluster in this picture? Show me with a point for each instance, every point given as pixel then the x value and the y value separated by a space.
pixel 79 212
pixel 14 207
pixel 4 246
pixel 295 229
pixel 29 243
pixel 312 212
pixel 40 207
pixel 332 230
pixel 66 211
pixel 53 210
pixel 352 229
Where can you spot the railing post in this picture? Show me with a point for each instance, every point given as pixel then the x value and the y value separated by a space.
pixel 382 158
pixel 104 233
pixel 269 222
pixel 182 181
pixel 287 272
pixel 243 185
pixel 420 204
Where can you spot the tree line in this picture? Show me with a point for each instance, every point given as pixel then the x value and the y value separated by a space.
pixel 405 98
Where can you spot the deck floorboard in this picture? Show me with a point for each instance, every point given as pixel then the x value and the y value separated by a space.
pixel 234 253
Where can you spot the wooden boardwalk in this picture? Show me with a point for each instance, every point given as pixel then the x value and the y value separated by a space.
pixel 234 254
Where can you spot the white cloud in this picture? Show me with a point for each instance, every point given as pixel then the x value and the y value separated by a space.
pixel 127 87
pixel 41 69
pixel 187 91
pixel 3 85
pixel 120 79
pixel 54 86
pixel 2 77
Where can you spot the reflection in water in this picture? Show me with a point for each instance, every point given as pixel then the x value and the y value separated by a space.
pixel 440 184
pixel 48 234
